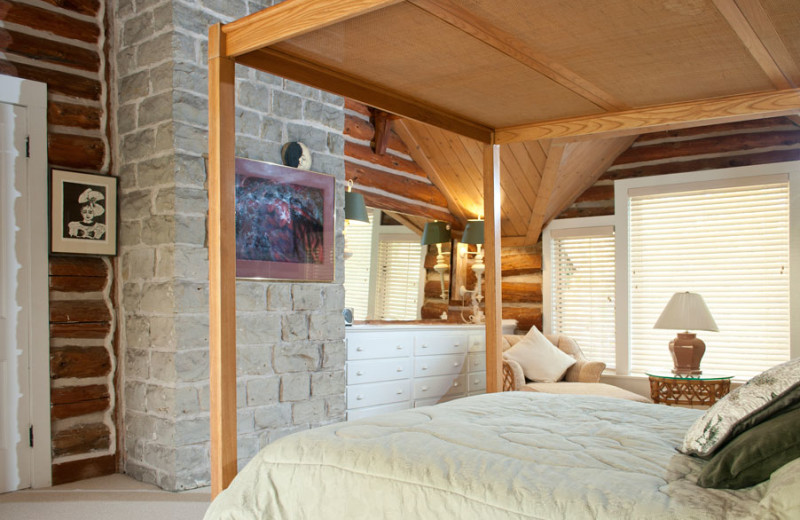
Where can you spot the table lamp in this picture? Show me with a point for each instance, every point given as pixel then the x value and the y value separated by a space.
pixel 438 233
pixel 687 311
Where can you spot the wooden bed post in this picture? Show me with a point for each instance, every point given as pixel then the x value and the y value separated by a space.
pixel 221 261
pixel 491 208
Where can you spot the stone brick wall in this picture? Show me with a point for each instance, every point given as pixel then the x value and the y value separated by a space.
pixel 290 336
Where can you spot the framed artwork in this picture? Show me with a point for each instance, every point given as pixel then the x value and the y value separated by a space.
pixel 284 223
pixel 83 213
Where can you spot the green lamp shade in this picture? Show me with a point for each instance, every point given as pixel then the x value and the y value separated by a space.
pixel 473 233
pixel 435 233
pixel 354 207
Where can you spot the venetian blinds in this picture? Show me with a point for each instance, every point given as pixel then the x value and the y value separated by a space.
pixel 358 242
pixel 398 281
pixel 582 289
pixel 729 244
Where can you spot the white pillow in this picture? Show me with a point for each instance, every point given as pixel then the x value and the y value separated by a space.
pixel 540 360
pixel 783 491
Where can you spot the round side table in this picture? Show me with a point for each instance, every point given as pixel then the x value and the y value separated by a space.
pixel 688 389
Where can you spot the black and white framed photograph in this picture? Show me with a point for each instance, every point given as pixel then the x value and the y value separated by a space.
pixel 83 213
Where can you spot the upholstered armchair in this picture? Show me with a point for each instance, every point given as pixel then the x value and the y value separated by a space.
pixel 583 371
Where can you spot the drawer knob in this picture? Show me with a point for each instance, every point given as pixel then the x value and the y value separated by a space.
pixel 424 345
pixel 456 345
pixel 399 392
pixel 424 388
pixel 425 367
pixel 359 373
pixel 455 363
pixel 455 384
pixel 399 369
pixel 399 347
pixel 359 397
pixel 359 349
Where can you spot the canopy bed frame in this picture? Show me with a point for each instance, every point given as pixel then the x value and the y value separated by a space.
pixel 501 73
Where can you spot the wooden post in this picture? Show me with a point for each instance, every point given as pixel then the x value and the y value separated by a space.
pixel 221 261
pixel 491 208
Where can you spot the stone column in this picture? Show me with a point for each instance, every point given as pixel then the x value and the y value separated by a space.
pixel 290 336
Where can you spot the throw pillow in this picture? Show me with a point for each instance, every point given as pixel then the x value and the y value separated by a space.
pixel 752 456
pixel 540 360
pixel 765 395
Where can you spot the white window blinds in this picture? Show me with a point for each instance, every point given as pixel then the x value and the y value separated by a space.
pixel 358 241
pixel 729 244
pixel 398 281
pixel 582 289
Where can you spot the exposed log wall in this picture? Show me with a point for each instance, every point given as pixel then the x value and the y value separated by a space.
pixel 63 44
pixel 391 180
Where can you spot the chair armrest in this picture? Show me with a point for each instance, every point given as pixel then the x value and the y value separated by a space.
pixel 584 371
pixel 513 377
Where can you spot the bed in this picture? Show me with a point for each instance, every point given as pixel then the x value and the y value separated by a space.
pixel 507 455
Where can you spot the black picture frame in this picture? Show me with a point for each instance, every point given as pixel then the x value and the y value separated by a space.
pixel 83 213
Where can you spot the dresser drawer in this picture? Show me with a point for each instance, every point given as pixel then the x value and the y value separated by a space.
pixel 376 345
pixel 438 365
pixel 477 342
pixel 440 386
pixel 476 382
pixel 374 370
pixel 476 362
pixel 437 343
pixel 373 394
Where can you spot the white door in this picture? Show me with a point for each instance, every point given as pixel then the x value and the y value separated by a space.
pixel 15 449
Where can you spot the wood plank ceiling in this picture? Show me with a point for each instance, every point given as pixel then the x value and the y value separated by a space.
pixel 531 74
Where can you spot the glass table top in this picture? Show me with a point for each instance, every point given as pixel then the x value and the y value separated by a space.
pixel 666 373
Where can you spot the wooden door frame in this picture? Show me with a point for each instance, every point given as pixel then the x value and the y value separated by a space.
pixel 33 96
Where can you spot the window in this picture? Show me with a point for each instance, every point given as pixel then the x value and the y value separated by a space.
pixel 731 245
pixel 579 271
pixel 383 275
pixel 722 233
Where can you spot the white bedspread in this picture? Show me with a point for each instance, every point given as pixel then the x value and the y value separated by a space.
pixel 497 456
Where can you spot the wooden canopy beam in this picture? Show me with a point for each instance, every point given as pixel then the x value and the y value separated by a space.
pixel 382 123
pixel 479 28
pixel 664 117
pixel 221 261
pixel 296 69
pixel 289 19
pixel 494 296
pixel 555 157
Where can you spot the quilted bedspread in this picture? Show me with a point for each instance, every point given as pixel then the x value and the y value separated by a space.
pixel 495 456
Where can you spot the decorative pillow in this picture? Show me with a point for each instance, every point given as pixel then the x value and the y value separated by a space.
pixel 753 455
pixel 783 492
pixel 540 360
pixel 764 396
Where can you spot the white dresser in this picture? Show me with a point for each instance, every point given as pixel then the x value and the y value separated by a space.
pixel 392 367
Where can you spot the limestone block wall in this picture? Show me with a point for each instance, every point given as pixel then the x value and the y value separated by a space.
pixel 290 336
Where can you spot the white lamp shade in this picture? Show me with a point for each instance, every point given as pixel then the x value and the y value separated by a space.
pixel 686 311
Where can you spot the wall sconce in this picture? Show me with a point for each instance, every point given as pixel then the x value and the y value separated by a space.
pixel 354 209
pixel 438 233
pixel 473 234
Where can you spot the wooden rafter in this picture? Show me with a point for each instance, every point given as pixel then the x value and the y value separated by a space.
pixel 417 152
pixel 555 157
pixel 280 64
pixel 289 19
pixel 752 25
pixel 663 117
pixel 483 30
pixel 382 123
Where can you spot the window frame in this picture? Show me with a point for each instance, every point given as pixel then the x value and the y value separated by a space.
pixel 623 189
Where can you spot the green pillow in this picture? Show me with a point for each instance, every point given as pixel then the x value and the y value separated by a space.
pixel 752 456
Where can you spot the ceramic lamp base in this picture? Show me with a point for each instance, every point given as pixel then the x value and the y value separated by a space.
pixel 687 350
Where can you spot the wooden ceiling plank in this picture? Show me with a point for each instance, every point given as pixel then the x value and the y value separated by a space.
pixel 585 167
pixel 551 170
pixel 511 46
pixel 664 117
pixel 744 25
pixel 418 153
pixel 289 19
pixel 313 75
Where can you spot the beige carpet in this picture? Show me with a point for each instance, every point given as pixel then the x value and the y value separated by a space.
pixel 115 497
